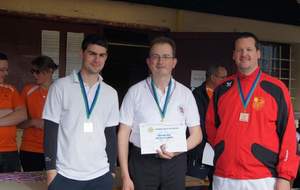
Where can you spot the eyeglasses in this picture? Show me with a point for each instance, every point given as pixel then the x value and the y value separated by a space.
pixel 35 71
pixel 156 57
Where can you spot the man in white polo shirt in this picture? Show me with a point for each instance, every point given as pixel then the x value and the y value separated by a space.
pixel 78 109
pixel 157 99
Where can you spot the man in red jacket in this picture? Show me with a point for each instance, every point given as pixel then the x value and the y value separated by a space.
pixel 250 124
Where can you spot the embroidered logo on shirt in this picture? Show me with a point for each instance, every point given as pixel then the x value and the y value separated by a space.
pixel 48 159
pixel 181 109
pixel 258 103
pixel 228 83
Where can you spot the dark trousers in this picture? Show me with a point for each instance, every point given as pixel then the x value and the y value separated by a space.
pixel 62 183
pixel 32 161
pixel 151 173
pixel 9 162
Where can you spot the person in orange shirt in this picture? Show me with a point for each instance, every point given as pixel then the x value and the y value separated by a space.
pixel 12 112
pixel 34 95
pixel 215 74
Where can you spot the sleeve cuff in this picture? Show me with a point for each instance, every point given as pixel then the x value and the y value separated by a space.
pixel 285 177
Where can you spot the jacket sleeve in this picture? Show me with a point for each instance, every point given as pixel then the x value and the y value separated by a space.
pixel 197 95
pixel 288 159
pixel 202 104
pixel 211 129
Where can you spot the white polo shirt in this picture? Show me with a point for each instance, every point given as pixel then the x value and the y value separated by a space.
pixel 81 155
pixel 139 106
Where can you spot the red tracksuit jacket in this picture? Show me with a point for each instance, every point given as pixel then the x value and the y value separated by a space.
pixel 265 146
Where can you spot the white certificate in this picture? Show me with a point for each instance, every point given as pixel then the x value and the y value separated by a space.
pixel 208 155
pixel 152 136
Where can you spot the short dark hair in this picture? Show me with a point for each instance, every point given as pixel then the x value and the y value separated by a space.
pixel 248 35
pixel 164 40
pixel 43 63
pixel 3 56
pixel 212 69
pixel 94 39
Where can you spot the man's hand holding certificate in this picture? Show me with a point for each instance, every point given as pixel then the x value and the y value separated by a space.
pixel 162 138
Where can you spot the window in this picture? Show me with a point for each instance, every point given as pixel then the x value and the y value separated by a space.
pixel 277 61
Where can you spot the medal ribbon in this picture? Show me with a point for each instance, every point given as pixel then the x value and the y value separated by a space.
pixel 253 86
pixel 164 110
pixel 83 92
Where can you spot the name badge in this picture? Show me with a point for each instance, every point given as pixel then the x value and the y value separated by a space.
pixel 244 117
pixel 88 127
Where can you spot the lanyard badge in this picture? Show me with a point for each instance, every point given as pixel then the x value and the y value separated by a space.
pixel 164 110
pixel 88 126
